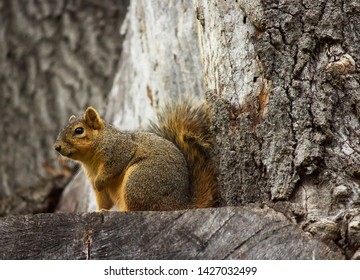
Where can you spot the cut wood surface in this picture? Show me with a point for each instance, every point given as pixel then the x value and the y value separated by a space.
pixel 220 233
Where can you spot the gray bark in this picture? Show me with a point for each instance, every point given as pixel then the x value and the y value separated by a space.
pixel 222 233
pixel 56 57
pixel 283 87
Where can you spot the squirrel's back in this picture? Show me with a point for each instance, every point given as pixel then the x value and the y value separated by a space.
pixel 188 127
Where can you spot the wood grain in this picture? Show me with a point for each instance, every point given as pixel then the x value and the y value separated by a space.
pixel 220 233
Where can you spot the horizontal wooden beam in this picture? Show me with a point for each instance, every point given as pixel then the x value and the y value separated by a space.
pixel 247 232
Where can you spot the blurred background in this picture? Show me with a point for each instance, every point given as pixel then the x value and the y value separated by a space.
pixel 56 58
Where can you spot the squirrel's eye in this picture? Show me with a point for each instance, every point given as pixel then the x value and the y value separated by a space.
pixel 79 130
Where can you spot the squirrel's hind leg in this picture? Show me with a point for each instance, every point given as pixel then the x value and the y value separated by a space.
pixel 157 186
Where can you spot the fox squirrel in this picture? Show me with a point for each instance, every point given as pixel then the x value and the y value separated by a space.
pixel 168 168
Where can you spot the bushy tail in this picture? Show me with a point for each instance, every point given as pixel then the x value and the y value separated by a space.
pixel 188 126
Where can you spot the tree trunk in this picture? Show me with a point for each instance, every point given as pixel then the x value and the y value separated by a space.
pixel 283 89
pixel 57 57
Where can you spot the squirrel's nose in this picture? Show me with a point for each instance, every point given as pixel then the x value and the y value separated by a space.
pixel 57 147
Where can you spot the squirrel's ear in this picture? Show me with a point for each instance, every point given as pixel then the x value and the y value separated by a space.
pixel 93 119
pixel 72 117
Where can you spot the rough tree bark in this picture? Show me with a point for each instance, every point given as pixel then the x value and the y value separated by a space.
pixel 56 58
pixel 284 92
pixel 282 83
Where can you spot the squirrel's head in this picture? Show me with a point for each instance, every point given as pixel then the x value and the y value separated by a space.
pixel 79 135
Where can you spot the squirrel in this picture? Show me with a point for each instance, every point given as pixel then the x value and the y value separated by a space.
pixel 169 167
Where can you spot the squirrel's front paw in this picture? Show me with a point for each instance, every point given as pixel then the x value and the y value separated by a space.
pixel 103 210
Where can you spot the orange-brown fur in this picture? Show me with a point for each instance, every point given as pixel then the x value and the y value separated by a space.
pixel 168 169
